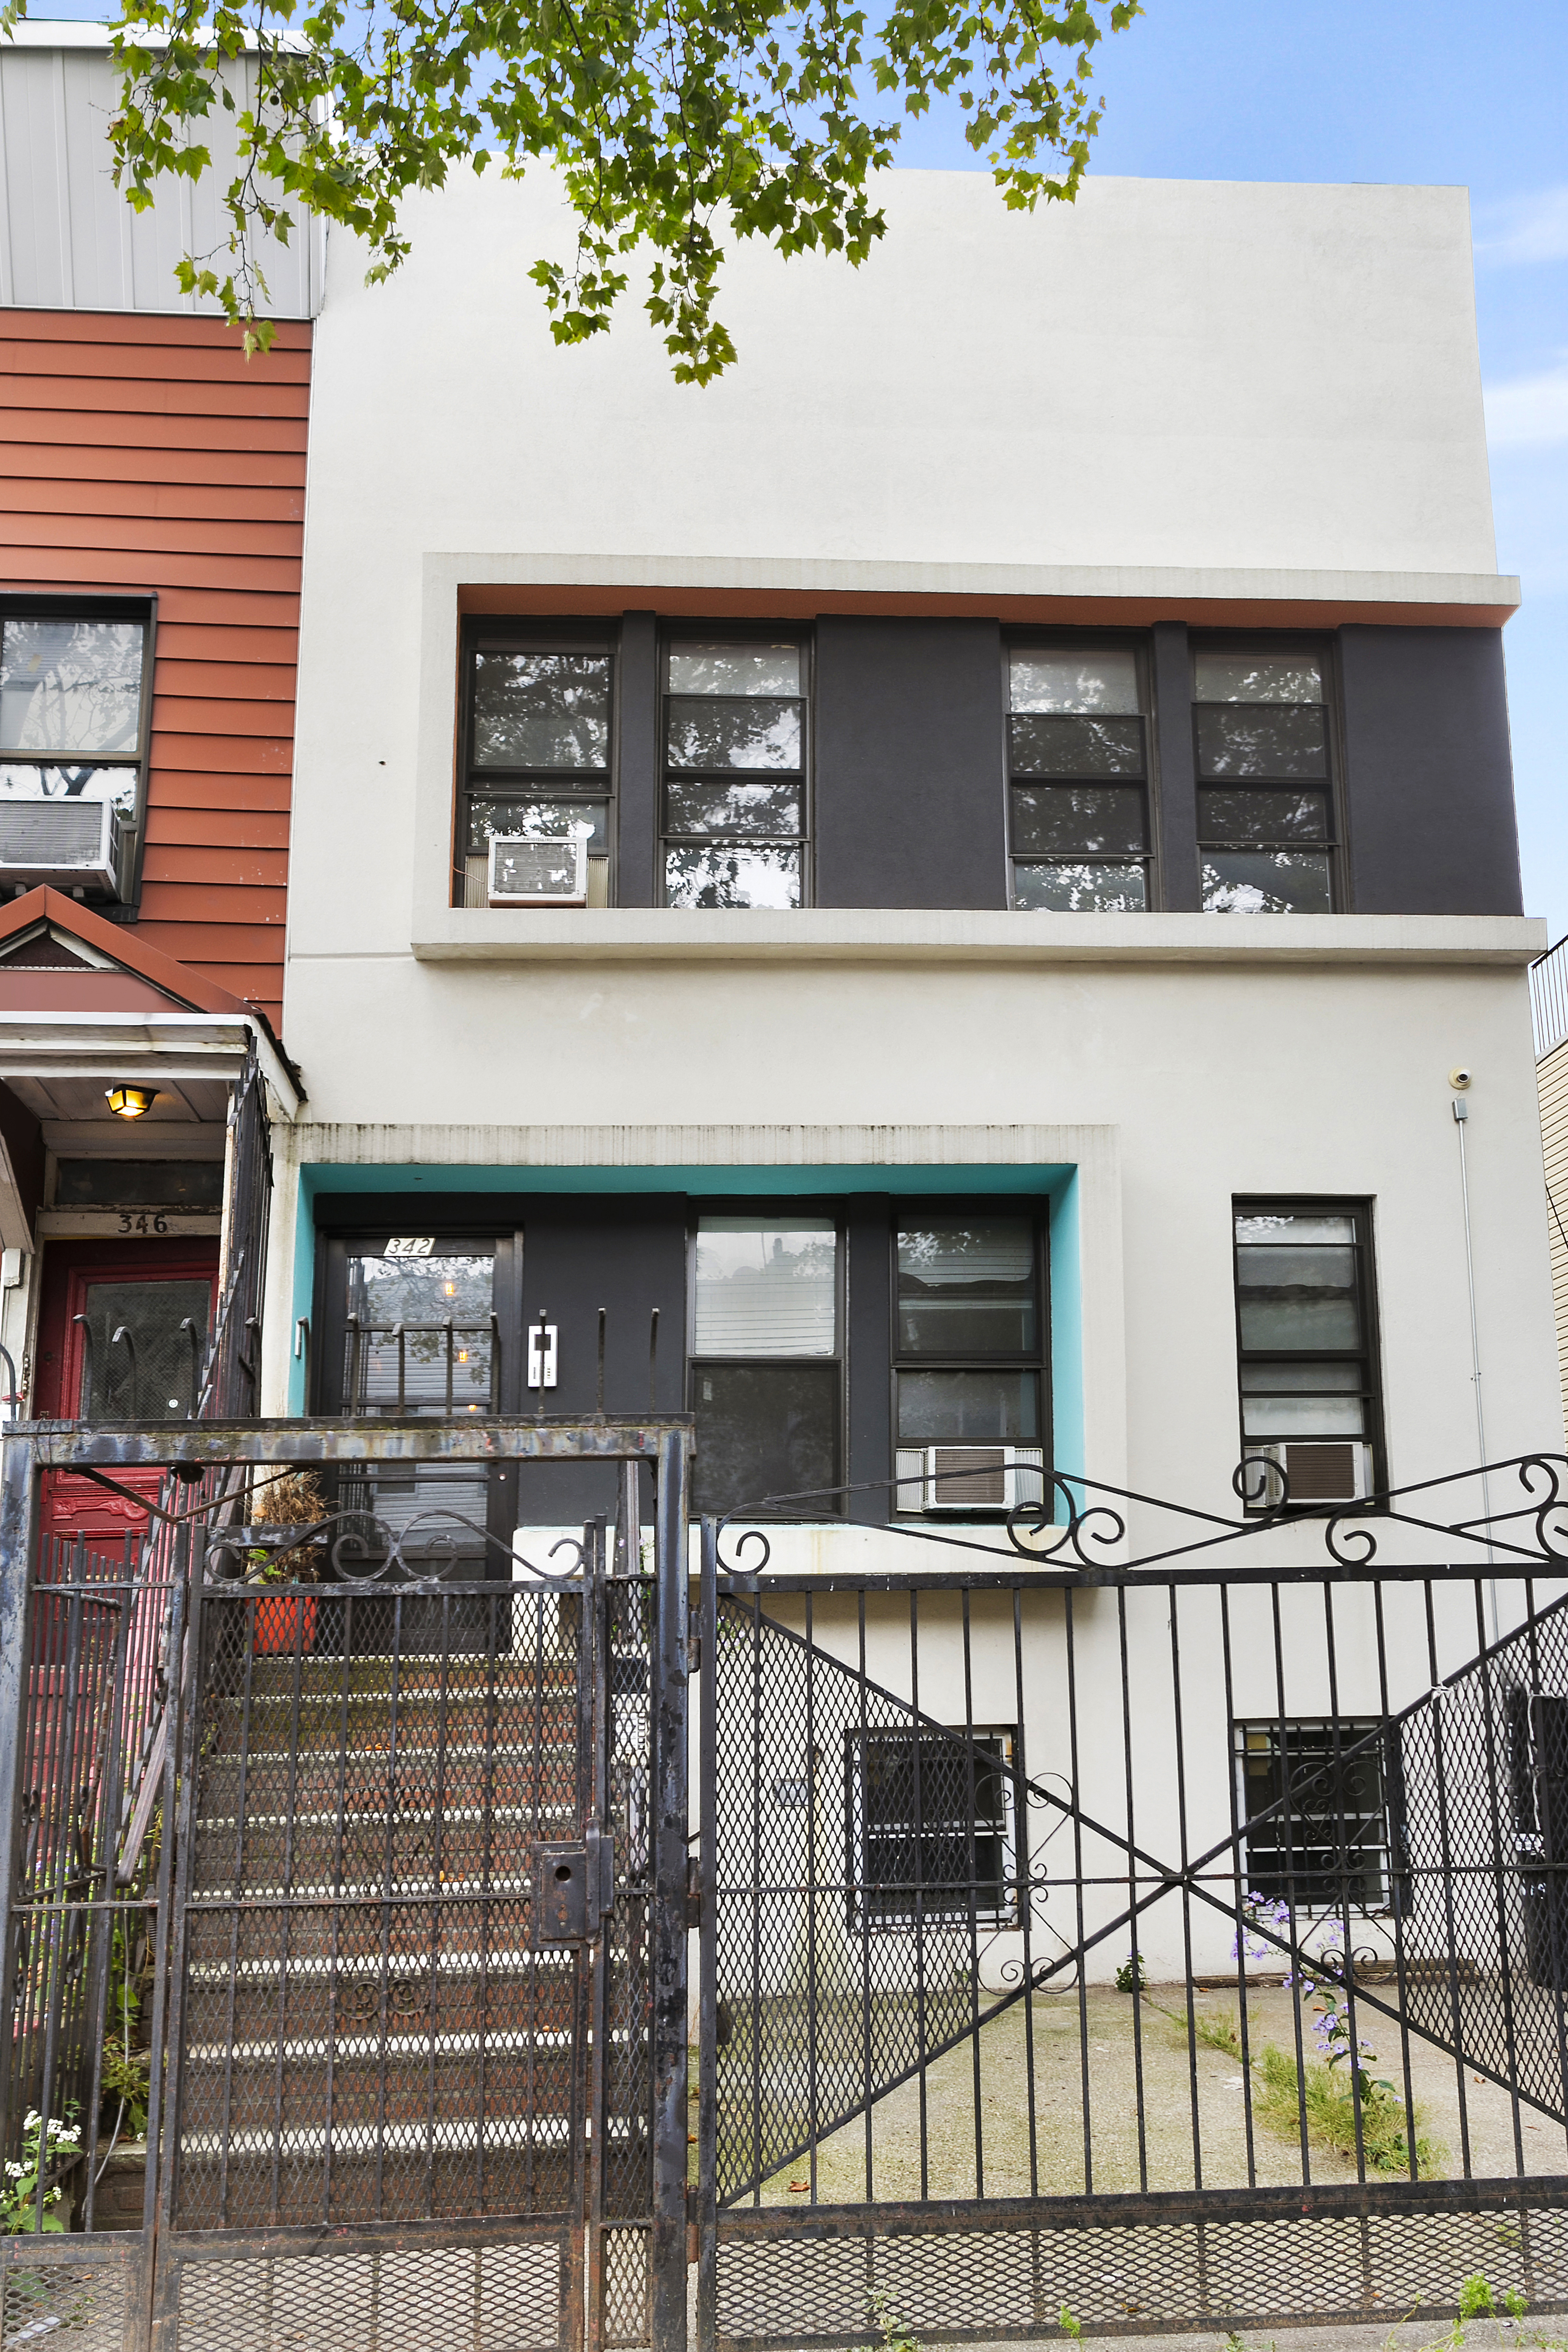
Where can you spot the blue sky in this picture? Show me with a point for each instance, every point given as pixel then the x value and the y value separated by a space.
pixel 1416 90
pixel 1422 91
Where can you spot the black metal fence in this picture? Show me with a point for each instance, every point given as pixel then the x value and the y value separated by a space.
pixel 1130 1947
pixel 1092 1935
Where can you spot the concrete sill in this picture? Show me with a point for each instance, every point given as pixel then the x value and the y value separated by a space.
pixel 894 935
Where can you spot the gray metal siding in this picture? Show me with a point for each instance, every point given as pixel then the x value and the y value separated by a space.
pixel 69 240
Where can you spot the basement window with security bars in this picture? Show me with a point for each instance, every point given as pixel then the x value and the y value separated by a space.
pixel 534 824
pixel 1264 785
pixel 1316 1795
pixel 1078 765
pixel 930 1826
pixel 1308 1361
pixel 75 688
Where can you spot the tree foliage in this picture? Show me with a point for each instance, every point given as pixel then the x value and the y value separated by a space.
pixel 672 124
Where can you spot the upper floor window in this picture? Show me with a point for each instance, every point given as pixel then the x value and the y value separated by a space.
pixel 1078 771
pixel 1265 822
pixel 534 824
pixel 73 726
pixel 734 822
pixel 767 1382
pixel 1307 1367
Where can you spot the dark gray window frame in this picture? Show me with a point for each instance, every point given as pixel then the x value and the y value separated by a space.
pixel 526 634
pixel 139 606
pixel 909 1208
pixel 1359 1205
pixel 1089 641
pixel 673 633
pixel 770 1210
pixel 1324 647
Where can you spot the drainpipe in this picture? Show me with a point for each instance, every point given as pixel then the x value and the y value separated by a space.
pixel 1459 1080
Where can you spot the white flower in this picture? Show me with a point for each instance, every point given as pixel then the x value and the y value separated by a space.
pixel 30 2118
pixel 16 2171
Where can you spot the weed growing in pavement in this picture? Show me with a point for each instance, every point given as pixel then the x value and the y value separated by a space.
pixel 897 2334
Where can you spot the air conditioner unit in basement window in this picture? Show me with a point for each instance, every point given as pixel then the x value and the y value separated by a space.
pixel 527 870
pixel 963 1479
pixel 72 845
pixel 1317 1470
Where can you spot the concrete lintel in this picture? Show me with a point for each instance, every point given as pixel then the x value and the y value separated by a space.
pixel 872 935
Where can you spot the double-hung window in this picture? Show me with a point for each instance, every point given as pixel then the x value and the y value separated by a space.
pixel 1308 1361
pixel 1265 804
pixel 1315 1796
pixel 1078 764
pixel 74 695
pixel 969 1363
pixel 931 1827
pixel 734 819
pixel 534 825
pixel 767 1368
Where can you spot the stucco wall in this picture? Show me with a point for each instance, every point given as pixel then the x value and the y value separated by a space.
pixel 1168 373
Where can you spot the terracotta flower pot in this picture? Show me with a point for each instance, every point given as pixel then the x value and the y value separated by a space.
pixel 284 1622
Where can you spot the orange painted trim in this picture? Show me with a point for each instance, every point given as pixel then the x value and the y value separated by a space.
pixel 212 944
pixel 238 755
pixel 52 427
pixel 179 714
pixel 118 940
pixel 220 642
pixel 1061 612
pixel 225 688
pixel 217 828
pixel 234 905
pixel 133 363
pixel 184 502
pixel 185 788
pixel 101 462
pixel 212 868
pixel 156 396
pixel 123 328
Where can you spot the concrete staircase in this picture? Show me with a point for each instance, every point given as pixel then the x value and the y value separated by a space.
pixel 368 2032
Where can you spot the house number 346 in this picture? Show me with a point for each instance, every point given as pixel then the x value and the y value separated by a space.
pixel 143 1223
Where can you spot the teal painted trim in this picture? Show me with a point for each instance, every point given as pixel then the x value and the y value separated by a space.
pixel 1066 1333
pixel 1059 1184
pixel 701 1182
pixel 304 1286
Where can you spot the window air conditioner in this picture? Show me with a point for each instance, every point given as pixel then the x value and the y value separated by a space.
pixel 72 845
pixel 527 870
pixel 966 1478
pixel 1321 1471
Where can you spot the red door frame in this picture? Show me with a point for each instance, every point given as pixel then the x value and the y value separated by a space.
pixel 73 1505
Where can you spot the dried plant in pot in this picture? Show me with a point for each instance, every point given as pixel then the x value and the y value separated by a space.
pixel 285 1621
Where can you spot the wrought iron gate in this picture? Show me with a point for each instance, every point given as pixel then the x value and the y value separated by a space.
pixel 404 1842
pixel 1135 1947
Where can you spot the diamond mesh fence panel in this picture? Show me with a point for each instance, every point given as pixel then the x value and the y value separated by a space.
pixel 979 2285
pixel 625 2288
pixel 495 2298
pixel 839 1806
pixel 82 2304
pixel 1485 1859
pixel 368 2030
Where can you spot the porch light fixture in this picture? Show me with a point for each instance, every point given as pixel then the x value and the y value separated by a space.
pixel 131 1102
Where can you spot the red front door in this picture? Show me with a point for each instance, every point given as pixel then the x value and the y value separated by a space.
pixel 122 1336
